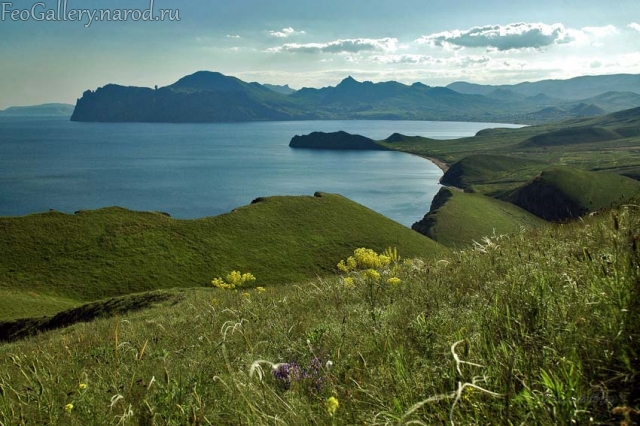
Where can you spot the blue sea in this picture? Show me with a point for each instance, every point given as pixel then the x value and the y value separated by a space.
pixel 199 170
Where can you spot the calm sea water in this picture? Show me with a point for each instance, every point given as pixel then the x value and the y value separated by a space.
pixel 198 170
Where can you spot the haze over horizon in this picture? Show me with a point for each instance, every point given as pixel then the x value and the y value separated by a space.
pixel 312 44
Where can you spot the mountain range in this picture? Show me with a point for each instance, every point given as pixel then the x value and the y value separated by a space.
pixel 572 89
pixel 213 97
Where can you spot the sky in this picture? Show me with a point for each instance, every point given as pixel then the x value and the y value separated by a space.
pixel 48 55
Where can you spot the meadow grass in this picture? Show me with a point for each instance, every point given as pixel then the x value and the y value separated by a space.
pixel 536 327
pixel 51 261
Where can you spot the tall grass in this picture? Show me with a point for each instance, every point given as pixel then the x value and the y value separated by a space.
pixel 531 328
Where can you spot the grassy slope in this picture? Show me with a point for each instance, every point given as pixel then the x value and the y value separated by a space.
pixel 110 252
pixel 576 191
pixel 490 174
pixel 548 318
pixel 464 218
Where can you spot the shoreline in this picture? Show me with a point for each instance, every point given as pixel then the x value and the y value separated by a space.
pixel 441 164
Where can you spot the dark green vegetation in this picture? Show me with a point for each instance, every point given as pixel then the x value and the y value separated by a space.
pixel 539 327
pixel 46 109
pixel 51 261
pixel 337 140
pixel 457 219
pixel 213 97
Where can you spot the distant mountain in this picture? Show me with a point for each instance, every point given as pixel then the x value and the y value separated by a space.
pixel 571 89
pixel 200 97
pixel 44 109
pixel 213 97
pixel 284 90
pixel 587 110
pixel 614 101
pixel 506 95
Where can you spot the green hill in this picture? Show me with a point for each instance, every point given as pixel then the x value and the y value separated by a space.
pixel 560 193
pixel 457 219
pixel 572 136
pixel 52 261
pixel 533 328
pixel 491 172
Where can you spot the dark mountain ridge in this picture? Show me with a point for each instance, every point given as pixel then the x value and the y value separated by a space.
pixel 213 97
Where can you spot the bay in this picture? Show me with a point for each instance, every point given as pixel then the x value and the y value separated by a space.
pixel 198 170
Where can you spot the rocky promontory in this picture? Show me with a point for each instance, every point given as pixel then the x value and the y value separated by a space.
pixel 335 140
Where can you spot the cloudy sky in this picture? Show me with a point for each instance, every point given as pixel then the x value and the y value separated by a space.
pixel 308 43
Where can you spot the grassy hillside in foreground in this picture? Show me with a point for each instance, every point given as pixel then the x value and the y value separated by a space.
pixel 560 193
pixel 64 258
pixel 458 219
pixel 533 328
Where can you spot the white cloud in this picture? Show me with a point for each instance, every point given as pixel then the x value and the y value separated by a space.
pixel 405 59
pixel 592 35
pixel 233 36
pixel 508 37
pixel 634 26
pixel 600 32
pixel 468 61
pixel 286 32
pixel 341 46
pixel 457 61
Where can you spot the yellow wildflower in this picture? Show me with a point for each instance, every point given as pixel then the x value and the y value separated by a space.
pixel 234 279
pixel 392 254
pixel 372 274
pixel 394 281
pixel 82 386
pixel 219 282
pixel 246 294
pixel 349 282
pixel 260 289
pixel 68 408
pixel 248 277
pixel 332 405
pixel 351 263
